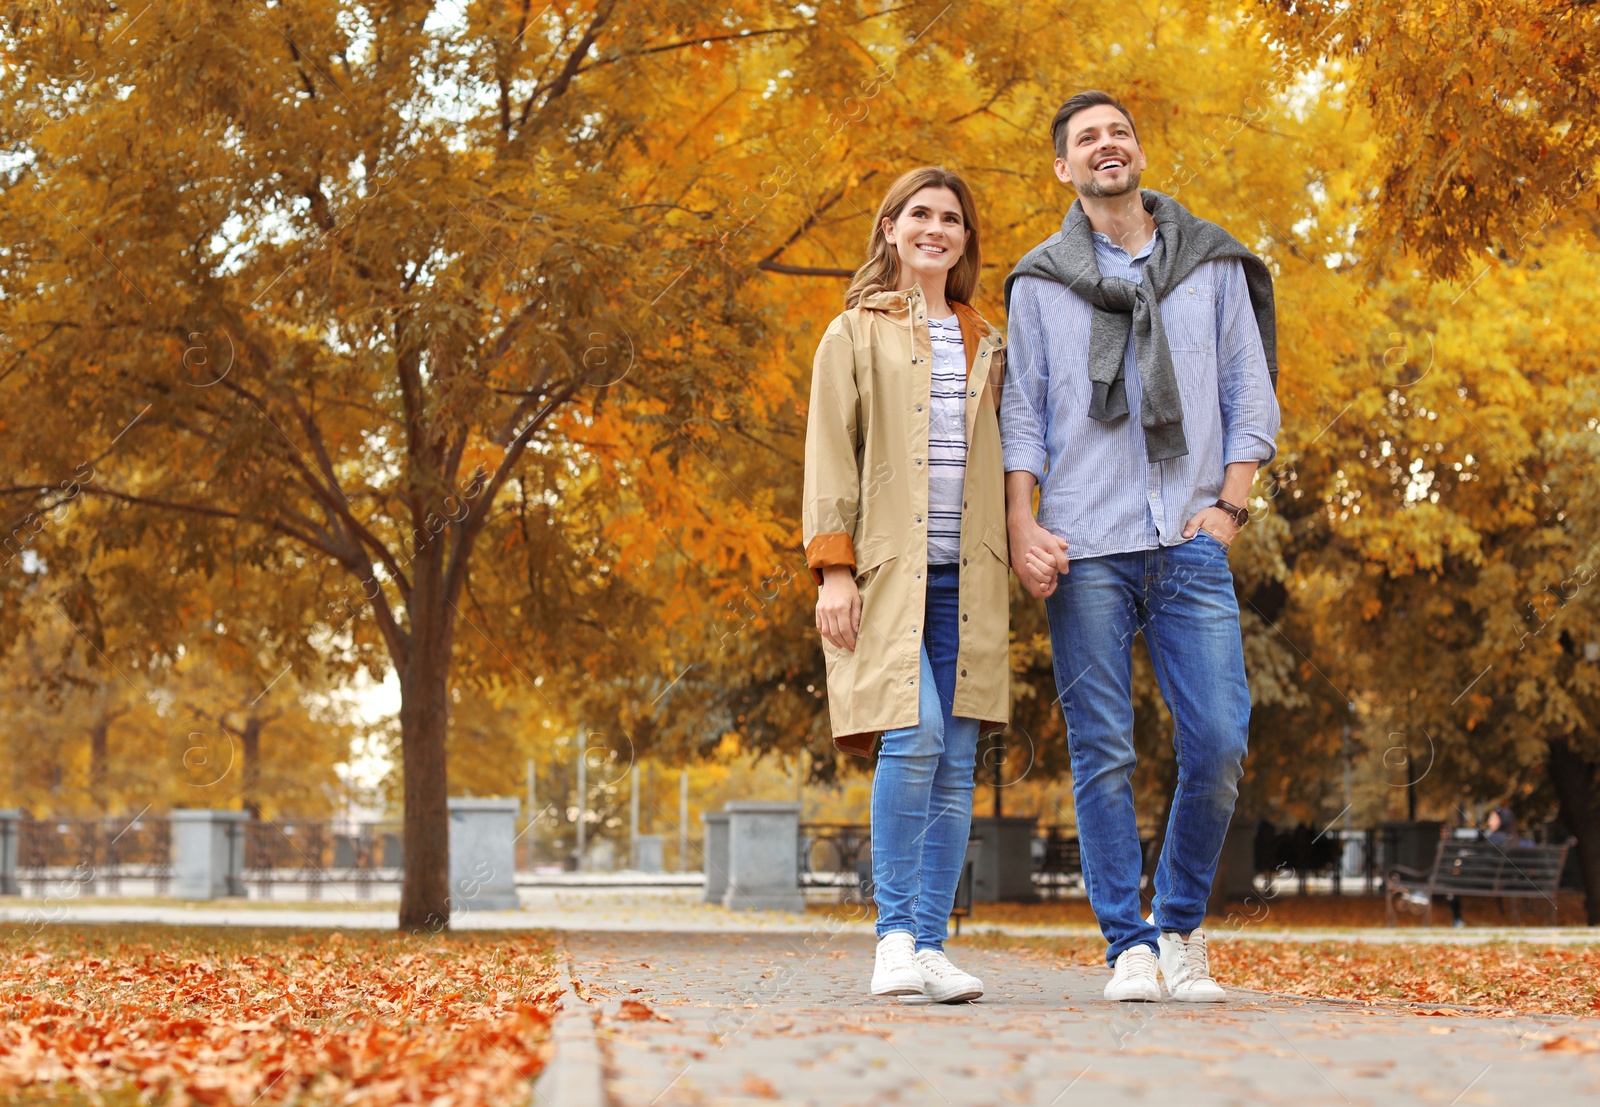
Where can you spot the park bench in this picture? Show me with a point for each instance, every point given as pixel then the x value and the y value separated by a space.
pixel 1462 867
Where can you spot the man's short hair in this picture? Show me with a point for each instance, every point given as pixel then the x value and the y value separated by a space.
pixel 1090 98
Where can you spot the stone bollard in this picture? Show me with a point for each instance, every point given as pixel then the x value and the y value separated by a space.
pixel 1234 879
pixel 1004 868
pixel 207 853
pixel 483 864
pixel 763 856
pixel 10 828
pixel 714 854
pixel 647 853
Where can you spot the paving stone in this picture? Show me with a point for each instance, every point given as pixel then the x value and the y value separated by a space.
pixel 724 1019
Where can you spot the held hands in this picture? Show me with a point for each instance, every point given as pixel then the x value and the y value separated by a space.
pixel 1037 556
pixel 839 607
pixel 1215 522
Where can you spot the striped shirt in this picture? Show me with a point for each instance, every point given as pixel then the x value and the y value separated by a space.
pixel 947 441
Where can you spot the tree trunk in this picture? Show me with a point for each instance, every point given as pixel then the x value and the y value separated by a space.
pixel 250 739
pixel 424 723
pixel 99 750
pixel 1572 774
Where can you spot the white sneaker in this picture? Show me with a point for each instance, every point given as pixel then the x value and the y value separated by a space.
pixel 1187 969
pixel 942 982
pixel 1134 976
pixel 895 972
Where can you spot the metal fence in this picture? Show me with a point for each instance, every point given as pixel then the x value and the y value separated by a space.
pixel 317 852
pixel 100 855
pixel 94 855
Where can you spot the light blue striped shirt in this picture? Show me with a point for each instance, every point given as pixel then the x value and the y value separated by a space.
pixel 1097 489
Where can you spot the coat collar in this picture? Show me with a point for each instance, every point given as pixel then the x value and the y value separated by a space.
pixel 974 328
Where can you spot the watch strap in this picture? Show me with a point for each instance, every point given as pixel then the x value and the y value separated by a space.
pixel 1241 515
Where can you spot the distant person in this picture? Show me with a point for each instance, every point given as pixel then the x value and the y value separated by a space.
pixel 904 526
pixel 1140 405
pixel 1500 829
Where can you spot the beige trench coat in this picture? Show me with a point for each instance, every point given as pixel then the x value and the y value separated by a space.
pixel 866 505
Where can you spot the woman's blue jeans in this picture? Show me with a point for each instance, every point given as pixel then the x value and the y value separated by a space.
pixel 922 790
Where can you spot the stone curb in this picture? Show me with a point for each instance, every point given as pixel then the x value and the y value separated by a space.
pixel 575 1076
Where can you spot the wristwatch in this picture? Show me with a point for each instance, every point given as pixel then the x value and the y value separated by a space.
pixel 1241 516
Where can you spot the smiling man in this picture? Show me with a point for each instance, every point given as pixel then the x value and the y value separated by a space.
pixel 1141 402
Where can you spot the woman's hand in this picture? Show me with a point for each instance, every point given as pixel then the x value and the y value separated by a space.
pixel 839 607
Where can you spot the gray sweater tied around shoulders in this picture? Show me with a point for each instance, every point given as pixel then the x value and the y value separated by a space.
pixel 1186 241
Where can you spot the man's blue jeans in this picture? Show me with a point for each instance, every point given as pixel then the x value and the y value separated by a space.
pixel 922 789
pixel 1181 598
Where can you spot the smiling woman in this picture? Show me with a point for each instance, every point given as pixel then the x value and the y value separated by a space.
pixel 911 560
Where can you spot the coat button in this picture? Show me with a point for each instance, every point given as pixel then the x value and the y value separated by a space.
pixel 963 561
pixel 963 672
pixel 919 407
pixel 963 618
pixel 919 518
pixel 974 392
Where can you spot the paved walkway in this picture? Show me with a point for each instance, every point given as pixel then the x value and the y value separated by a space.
pixel 763 1018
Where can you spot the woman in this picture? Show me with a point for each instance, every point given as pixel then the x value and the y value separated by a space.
pixel 904 521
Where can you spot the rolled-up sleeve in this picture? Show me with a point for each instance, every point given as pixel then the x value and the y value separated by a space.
pixel 1244 387
pixel 1024 406
pixel 832 493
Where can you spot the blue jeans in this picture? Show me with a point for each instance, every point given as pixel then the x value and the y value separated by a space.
pixel 922 790
pixel 1181 599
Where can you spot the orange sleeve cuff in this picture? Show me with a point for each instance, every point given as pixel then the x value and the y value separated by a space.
pixel 826 550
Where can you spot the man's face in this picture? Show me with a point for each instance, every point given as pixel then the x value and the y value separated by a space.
pixel 1103 158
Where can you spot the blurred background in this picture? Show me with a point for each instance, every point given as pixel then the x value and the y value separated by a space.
pixel 406 399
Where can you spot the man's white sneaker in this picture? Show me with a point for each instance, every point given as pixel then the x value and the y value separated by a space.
pixel 1187 969
pixel 1134 976
pixel 942 982
pixel 895 972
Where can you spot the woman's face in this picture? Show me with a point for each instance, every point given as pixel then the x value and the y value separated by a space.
pixel 929 235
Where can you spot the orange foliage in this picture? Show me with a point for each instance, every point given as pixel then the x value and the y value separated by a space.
pixel 238 1018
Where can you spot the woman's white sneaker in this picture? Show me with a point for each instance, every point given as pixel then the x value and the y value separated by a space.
pixel 1133 977
pixel 1187 968
pixel 895 972
pixel 942 982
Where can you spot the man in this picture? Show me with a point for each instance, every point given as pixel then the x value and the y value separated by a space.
pixel 1141 402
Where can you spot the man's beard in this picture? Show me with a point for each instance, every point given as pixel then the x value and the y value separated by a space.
pixel 1095 189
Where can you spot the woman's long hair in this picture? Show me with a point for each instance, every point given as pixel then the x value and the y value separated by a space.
pixel 881 272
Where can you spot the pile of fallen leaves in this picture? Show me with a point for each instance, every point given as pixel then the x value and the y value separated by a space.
pixel 1499 978
pixel 231 1017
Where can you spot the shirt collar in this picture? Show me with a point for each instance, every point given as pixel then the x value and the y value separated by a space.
pixel 1105 240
